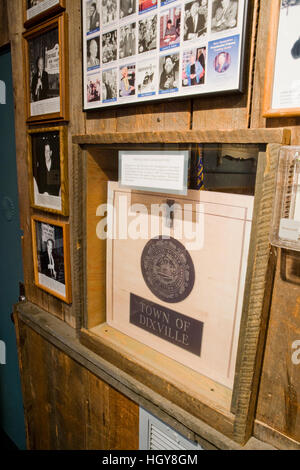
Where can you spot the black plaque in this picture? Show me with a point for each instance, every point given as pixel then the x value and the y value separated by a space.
pixel 178 329
pixel 168 269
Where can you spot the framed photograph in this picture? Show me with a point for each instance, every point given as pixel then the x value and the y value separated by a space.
pixel 48 169
pixel 282 82
pixel 51 257
pixel 150 50
pixel 37 10
pixel 46 71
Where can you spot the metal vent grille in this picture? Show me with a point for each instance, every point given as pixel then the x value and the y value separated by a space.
pixel 156 435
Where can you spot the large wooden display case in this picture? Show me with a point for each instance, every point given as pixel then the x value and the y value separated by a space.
pixel 183 391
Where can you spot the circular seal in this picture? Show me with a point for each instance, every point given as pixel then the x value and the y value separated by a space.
pixel 168 269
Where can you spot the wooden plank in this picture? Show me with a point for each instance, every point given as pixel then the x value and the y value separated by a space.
pixel 4 32
pixel 265 433
pixel 280 383
pixel 240 136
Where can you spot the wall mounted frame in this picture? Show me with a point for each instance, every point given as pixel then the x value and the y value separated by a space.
pixel 52 271
pixel 51 196
pixel 281 91
pixel 232 413
pixel 43 9
pixel 46 71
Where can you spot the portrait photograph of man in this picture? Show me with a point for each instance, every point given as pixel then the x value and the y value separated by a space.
pixel 44 73
pixel 170 28
pixel 127 81
pixel 93 88
pixel 108 11
pixel 109 85
pixel 224 15
pixel 127 7
pixel 193 67
pixel 93 53
pixel 50 257
pixel 46 169
pixel 169 72
pixel 195 19
pixel 127 45
pixel 92 16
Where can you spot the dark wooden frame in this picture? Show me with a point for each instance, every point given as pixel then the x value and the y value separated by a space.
pixel 45 14
pixel 59 22
pixel 268 111
pixel 237 421
pixel 66 243
pixel 63 168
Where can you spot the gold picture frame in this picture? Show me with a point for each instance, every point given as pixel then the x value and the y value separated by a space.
pixel 58 201
pixel 41 11
pixel 280 23
pixel 46 71
pixel 52 271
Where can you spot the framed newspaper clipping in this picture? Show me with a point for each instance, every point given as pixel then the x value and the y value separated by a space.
pixel 137 51
pixel 37 10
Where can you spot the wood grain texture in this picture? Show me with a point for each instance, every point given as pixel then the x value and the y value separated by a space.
pixel 4 32
pixel 252 322
pixel 280 383
pixel 242 136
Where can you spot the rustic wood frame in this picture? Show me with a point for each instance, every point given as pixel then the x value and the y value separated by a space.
pixel 45 14
pixel 236 419
pixel 59 22
pixel 268 111
pixel 63 168
pixel 66 244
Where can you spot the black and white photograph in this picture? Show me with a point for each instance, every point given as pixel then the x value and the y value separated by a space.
pixel 35 10
pixel 44 73
pixel 193 67
pixel 170 28
pixel 169 73
pixel 109 85
pixel 93 88
pixel 108 11
pixel 147 37
pixel 224 15
pixel 127 43
pixel 93 53
pixel 48 174
pixel 195 20
pixel 127 7
pixel 92 16
pixel 51 256
pixel 127 85
pixel 109 47
pixel 146 78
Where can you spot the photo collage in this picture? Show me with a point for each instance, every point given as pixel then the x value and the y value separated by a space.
pixel 141 50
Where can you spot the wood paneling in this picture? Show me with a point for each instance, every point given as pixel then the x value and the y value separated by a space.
pixel 66 406
pixel 278 401
pixel 4 32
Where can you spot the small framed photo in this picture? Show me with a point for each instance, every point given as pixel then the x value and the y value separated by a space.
pixel 46 71
pixel 48 169
pixel 282 82
pixel 51 257
pixel 37 10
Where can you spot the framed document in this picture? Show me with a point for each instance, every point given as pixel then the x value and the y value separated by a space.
pixel 46 67
pixel 51 257
pixel 48 169
pixel 137 51
pixel 282 82
pixel 36 10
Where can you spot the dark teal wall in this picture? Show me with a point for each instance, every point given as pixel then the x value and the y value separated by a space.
pixel 11 270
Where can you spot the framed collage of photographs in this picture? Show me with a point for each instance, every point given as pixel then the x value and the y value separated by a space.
pixel 145 50
pixel 282 82
pixel 46 71
pixel 48 169
pixel 51 257
pixel 37 10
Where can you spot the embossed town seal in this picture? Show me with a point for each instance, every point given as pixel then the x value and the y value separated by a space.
pixel 168 269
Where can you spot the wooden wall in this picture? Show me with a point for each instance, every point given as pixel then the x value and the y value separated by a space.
pixel 277 393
